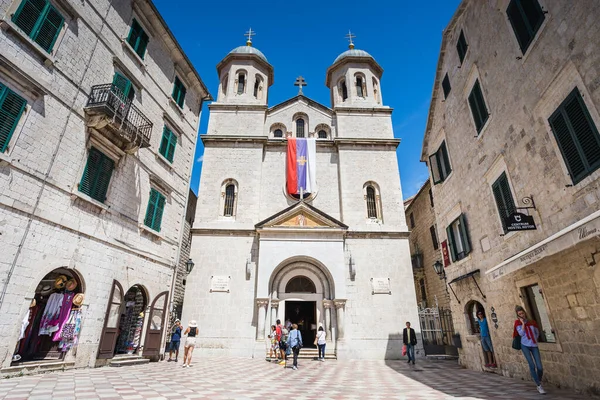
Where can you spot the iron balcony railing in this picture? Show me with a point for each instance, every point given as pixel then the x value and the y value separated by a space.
pixel 136 127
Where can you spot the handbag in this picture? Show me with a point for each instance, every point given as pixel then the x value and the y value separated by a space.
pixel 403 349
pixel 516 344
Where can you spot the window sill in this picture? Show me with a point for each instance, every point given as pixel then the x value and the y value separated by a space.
pixel 150 231
pixel 77 195
pixel 168 164
pixel 6 24
pixel 5 159
pixel 374 221
pixel 479 134
pixel 133 54
pixel 174 104
pixel 462 261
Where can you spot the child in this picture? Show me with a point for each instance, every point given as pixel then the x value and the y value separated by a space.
pixel 274 344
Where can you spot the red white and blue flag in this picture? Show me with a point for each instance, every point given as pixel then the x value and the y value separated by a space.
pixel 301 166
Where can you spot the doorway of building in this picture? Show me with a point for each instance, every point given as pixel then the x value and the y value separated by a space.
pixel 304 314
pixel 131 321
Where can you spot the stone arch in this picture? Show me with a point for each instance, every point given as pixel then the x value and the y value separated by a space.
pixel 306 125
pixel 45 272
pixel 278 126
pixel 306 266
pixel 471 309
pixel 325 128
pixel 360 85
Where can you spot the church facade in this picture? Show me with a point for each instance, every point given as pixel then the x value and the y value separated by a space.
pixel 335 256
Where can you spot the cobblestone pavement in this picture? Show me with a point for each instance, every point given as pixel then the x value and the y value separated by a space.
pixel 236 378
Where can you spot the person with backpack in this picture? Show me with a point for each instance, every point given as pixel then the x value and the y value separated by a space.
pixel 528 332
pixel 295 342
pixel 190 343
pixel 175 340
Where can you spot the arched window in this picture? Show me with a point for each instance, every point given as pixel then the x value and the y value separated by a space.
pixel 371 203
pixel 322 134
pixel 258 87
pixel 300 284
pixel 278 133
pixel 359 86
pixel 376 91
pixel 300 128
pixel 229 200
pixel 471 310
pixel 241 83
pixel 224 84
pixel 343 90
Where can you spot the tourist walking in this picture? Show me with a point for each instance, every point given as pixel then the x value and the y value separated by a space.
pixel 175 340
pixel 295 342
pixel 274 344
pixel 409 338
pixel 486 340
pixel 529 333
pixel 190 343
pixel 280 339
pixel 320 342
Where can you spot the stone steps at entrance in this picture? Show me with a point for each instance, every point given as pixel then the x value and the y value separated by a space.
pixel 313 354
pixel 127 359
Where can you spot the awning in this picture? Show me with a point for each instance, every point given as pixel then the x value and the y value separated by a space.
pixel 585 229
pixel 465 276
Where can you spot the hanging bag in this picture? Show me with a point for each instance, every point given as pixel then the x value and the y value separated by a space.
pixel 516 344
pixel 404 351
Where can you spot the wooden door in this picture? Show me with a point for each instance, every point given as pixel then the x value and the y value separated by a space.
pixel 156 323
pixel 111 322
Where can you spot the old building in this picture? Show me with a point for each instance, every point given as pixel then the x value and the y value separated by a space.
pixel 331 250
pixel 99 112
pixel 513 127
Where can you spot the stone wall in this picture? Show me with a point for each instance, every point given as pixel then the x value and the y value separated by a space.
pixel 521 92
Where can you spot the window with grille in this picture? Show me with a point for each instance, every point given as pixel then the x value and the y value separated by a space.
pixel 123 86
pixel 434 238
pixel 458 238
pixel 179 92
pixel 229 200
pixel 478 107
pixel 461 47
pixel 278 133
pixel 504 198
pixel 154 212
pixel 40 21
pixel 12 107
pixel 446 86
pixel 241 83
pixel 300 284
pixel 371 203
pixel 300 128
pixel 439 164
pixel 138 39
pixel 96 175
pixel 526 18
pixel 344 89
pixel 577 136
pixel 359 87
pixel 168 144
pixel 322 134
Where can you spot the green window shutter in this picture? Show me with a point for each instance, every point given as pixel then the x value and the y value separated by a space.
pixel 464 234
pixel 48 28
pixel 11 109
pixel 179 92
pixel 142 44
pixel 526 17
pixel 451 247
pixel 461 47
pixel 124 85
pixel 28 14
pixel 446 86
pixel 96 176
pixel 167 144
pixel 435 169
pixel 138 39
pixel 154 212
pixel 171 149
pixel 478 107
pixel 445 160
pixel 504 198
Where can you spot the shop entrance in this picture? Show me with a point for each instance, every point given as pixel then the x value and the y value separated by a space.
pixel 131 321
pixel 51 325
pixel 304 314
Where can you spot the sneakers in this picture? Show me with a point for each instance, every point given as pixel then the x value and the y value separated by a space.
pixel 282 362
pixel 541 389
pixel 493 365
pixel 296 368
pixel 184 365
pixel 322 359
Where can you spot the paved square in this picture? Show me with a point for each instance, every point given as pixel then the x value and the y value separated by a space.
pixel 237 378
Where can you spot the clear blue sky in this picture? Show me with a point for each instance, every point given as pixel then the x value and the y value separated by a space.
pixel 303 38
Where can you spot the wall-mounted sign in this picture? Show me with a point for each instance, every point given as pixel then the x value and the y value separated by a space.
pixel 445 253
pixel 519 222
pixel 380 286
pixel 219 283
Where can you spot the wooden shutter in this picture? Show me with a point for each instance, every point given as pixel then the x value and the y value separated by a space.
pixel 179 92
pixel 478 107
pixel 435 169
pixel 167 144
pixel 154 212
pixel 160 207
pixel 142 44
pixel 584 130
pixel 504 198
pixel 461 47
pixel 464 234
pixel 28 14
pixel 48 28
pixel 134 34
pixel 123 85
pixel 518 23
pixel 11 109
pixel 450 237
pixel 434 239
pixel 444 160
pixel 96 176
pixel 446 86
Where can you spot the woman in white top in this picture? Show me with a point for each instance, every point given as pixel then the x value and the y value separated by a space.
pixel 320 340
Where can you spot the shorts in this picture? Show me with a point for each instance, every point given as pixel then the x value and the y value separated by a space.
pixel 190 342
pixel 274 345
pixel 282 345
pixel 174 345
pixel 486 343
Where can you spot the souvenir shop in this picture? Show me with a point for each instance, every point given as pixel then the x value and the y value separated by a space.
pixel 51 325
pixel 131 321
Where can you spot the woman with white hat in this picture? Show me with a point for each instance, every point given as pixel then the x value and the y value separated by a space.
pixel 190 343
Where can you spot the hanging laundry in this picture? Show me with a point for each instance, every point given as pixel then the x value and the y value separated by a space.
pixel 49 323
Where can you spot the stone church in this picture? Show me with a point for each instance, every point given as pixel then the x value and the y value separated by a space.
pixel 337 256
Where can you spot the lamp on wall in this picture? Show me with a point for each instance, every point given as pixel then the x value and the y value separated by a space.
pixel 189 265
pixel 352 267
pixel 439 269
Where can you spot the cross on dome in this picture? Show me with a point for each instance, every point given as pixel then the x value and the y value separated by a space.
pixel 249 33
pixel 350 36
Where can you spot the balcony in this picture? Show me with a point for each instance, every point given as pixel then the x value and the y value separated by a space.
pixel 110 112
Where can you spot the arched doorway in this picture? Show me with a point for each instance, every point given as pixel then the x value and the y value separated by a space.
pixel 302 312
pixel 52 323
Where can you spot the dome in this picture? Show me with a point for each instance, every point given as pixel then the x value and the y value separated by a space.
pixel 353 53
pixel 248 50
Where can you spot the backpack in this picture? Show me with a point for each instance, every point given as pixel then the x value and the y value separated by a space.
pixel 284 334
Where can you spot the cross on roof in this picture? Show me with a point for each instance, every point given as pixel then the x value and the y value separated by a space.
pixel 249 33
pixel 300 82
pixel 350 36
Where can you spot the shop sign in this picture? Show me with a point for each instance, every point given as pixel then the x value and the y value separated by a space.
pixel 445 253
pixel 219 283
pixel 519 222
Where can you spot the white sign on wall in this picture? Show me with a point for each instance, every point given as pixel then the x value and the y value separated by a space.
pixel 219 283
pixel 380 286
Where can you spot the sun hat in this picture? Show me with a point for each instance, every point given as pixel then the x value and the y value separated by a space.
pixel 46 290
pixel 78 299
pixel 60 282
pixel 193 324
pixel 71 285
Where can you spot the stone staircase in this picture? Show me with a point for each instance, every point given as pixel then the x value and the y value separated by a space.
pixel 312 354
pixel 123 360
